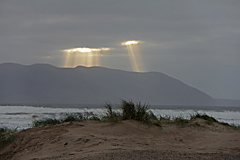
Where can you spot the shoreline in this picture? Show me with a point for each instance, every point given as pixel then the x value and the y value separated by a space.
pixel 22 117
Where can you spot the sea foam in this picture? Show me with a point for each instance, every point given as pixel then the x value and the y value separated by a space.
pixel 21 117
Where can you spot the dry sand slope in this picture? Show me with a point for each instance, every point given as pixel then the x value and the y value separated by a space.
pixel 124 140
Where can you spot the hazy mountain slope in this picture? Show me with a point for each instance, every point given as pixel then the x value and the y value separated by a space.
pixel 41 83
pixel 228 102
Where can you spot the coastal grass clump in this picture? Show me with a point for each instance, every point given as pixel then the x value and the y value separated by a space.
pixel 128 110
pixel 131 111
pixel 165 119
pixel 111 115
pixel 69 117
pixel 181 121
pixel 153 119
pixel 45 122
pixel 139 112
pixel 134 111
pixel 209 120
pixel 7 136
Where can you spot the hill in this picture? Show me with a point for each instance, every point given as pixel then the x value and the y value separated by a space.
pixel 43 83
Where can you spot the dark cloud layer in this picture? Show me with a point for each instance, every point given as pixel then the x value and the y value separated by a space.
pixel 197 42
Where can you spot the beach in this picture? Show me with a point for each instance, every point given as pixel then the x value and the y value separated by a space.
pixel 124 140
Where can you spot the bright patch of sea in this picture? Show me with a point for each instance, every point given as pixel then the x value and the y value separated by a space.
pixel 21 117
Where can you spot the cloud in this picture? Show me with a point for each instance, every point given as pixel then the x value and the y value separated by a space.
pixel 181 38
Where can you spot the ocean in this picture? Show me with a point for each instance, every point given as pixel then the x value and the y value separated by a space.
pixel 22 116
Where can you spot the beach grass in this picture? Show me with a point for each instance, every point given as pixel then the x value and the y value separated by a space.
pixel 132 111
pixel 7 135
pixel 69 117
pixel 44 122
pixel 181 121
pixel 129 111
pixel 111 115
pixel 209 120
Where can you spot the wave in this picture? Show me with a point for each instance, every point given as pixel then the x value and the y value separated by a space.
pixel 21 117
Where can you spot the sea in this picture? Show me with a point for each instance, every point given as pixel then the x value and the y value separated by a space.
pixel 21 116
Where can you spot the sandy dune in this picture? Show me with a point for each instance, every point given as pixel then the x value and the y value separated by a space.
pixel 124 140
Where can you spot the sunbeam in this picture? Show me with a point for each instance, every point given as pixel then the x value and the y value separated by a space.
pixel 134 55
pixel 83 56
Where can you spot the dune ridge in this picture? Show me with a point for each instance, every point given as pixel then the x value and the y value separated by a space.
pixel 124 140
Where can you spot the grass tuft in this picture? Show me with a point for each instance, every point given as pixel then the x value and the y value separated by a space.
pixel 132 111
pixel 45 122
pixel 209 120
pixel 141 113
pixel 135 111
pixel 7 136
pixel 69 117
pixel 128 110
pixel 111 115
pixel 165 118
pixel 181 121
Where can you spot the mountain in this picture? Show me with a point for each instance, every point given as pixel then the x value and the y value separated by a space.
pixel 43 83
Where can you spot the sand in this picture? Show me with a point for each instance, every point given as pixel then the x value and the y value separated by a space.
pixel 124 140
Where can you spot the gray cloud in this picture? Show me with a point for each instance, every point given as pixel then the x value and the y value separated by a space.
pixel 194 41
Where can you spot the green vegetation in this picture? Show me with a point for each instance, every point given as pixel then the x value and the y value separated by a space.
pixel 44 122
pixel 129 111
pixel 181 121
pixel 165 118
pixel 132 111
pixel 70 117
pixel 209 120
pixel 7 136
pixel 111 115
pixel 196 124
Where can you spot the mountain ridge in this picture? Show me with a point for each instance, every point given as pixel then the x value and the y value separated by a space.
pixel 44 83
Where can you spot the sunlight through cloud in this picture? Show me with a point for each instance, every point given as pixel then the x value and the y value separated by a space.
pixel 83 56
pixel 130 42
pixel 134 55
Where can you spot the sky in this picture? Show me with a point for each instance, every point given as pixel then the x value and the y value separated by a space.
pixel 197 42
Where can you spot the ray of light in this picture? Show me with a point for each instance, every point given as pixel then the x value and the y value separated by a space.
pixel 97 58
pixel 138 58
pixel 83 56
pixel 133 58
pixel 67 59
pixel 134 55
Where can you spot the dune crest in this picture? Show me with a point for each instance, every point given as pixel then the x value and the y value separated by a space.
pixel 89 139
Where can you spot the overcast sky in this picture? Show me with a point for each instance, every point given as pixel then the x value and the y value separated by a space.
pixel 195 41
